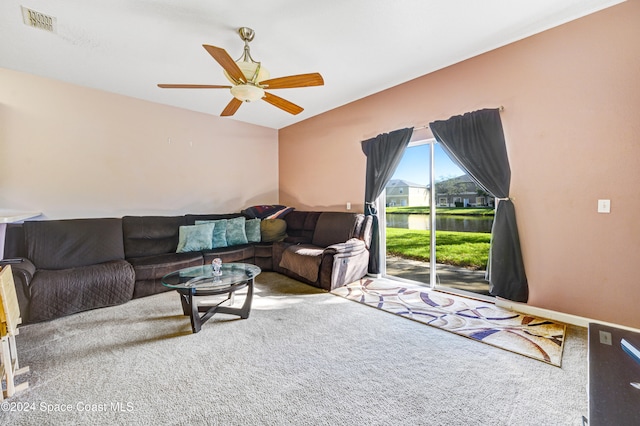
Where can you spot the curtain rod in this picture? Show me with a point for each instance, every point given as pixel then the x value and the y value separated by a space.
pixel 426 126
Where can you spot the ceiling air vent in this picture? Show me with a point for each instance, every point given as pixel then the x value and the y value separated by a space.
pixel 38 20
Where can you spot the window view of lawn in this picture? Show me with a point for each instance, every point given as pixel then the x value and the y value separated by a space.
pixel 464 249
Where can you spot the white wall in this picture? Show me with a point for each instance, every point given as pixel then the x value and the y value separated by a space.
pixel 70 151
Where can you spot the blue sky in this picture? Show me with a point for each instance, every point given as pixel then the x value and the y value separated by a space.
pixel 414 166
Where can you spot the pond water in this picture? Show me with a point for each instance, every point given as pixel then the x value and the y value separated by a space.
pixel 443 223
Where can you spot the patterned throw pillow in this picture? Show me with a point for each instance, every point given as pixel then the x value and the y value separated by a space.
pixel 195 237
pixel 280 213
pixel 270 211
pixel 236 233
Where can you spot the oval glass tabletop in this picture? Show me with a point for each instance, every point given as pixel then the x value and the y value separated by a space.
pixel 203 277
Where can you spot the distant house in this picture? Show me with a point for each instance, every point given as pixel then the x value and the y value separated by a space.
pixel 403 193
pixel 462 191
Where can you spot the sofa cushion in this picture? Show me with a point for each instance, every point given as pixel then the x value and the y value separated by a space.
pixel 273 230
pixel 56 293
pixel 303 259
pixel 219 232
pixel 333 228
pixel 72 243
pixel 263 250
pixel 228 232
pixel 14 245
pixel 195 237
pixel 236 233
pixel 159 265
pixel 300 226
pixel 252 228
pixel 150 235
pixel 241 253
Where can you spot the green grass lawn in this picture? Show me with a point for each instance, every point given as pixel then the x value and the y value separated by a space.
pixel 458 211
pixel 466 249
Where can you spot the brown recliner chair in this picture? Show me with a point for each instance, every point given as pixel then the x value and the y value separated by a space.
pixel 324 249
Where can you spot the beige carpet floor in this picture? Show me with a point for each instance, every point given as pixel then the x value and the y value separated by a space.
pixel 303 357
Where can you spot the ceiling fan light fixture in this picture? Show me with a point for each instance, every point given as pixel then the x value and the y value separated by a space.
pixel 247 92
pixel 252 71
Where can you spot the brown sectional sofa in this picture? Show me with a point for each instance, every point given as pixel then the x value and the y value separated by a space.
pixel 150 246
pixel 67 266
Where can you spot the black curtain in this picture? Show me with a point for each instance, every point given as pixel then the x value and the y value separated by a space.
pixel 476 141
pixel 384 153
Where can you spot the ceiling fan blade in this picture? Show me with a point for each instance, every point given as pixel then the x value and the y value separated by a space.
pixel 283 104
pixel 301 80
pixel 226 62
pixel 231 107
pixel 192 86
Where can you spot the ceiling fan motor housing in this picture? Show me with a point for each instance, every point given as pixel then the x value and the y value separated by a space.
pixel 246 34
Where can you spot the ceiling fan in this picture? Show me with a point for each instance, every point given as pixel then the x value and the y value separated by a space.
pixel 249 79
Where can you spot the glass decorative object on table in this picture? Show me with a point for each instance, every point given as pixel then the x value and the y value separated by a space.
pixel 216 264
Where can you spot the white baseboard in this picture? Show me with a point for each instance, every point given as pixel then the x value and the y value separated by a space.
pixel 555 315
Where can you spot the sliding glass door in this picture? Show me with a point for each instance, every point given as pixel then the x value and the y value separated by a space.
pixel 408 216
pixel 436 219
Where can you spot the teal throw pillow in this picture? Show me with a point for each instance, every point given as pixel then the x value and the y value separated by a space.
pixel 219 232
pixel 252 228
pixel 195 237
pixel 236 233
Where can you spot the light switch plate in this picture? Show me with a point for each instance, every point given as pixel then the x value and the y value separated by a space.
pixel 605 338
pixel 604 206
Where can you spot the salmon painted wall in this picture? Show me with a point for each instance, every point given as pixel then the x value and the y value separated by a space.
pixel 572 125
pixel 70 151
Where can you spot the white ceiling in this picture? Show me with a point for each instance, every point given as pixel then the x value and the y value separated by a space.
pixel 359 46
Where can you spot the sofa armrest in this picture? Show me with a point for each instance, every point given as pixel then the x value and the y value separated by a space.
pixel 24 270
pixel 343 263
pixel 352 246
pixel 23 273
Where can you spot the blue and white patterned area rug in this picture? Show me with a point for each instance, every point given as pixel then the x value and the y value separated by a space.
pixel 537 338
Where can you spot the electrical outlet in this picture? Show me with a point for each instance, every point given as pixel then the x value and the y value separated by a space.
pixel 605 338
pixel 604 206
pixel 348 206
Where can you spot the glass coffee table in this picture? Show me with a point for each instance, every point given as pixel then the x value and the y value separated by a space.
pixel 201 281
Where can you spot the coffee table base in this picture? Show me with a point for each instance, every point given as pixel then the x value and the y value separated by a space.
pixel 190 306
